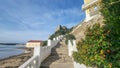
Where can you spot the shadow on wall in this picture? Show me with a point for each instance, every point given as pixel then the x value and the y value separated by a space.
pixel 52 58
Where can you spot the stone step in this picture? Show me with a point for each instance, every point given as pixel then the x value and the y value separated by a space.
pixel 61 46
pixel 59 58
pixel 56 59
pixel 44 66
pixel 58 65
pixel 62 65
pixel 59 50
pixel 60 54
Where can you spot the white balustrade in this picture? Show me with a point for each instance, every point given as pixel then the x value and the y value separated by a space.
pixel 32 62
pixel 54 38
pixel 49 42
pixel 74 45
pixel 40 54
pixel 72 48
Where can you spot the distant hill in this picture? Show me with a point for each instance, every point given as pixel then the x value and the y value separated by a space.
pixel 11 43
pixel 61 30
pixel 61 27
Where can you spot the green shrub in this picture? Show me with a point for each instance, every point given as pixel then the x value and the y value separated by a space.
pixel 101 47
pixel 44 43
pixel 97 48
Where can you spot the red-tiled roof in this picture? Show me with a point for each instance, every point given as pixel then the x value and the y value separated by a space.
pixel 35 41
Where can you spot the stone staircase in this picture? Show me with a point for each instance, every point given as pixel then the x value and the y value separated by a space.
pixel 59 57
pixel 80 30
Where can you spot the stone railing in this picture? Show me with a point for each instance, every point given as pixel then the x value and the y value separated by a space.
pixel 31 63
pixel 40 54
pixel 72 48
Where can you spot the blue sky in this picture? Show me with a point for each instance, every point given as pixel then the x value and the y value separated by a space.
pixel 23 20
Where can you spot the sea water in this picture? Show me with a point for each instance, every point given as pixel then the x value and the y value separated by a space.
pixel 10 50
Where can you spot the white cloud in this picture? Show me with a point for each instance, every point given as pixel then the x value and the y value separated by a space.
pixel 35 21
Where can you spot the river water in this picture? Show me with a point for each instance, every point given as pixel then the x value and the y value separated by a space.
pixel 10 50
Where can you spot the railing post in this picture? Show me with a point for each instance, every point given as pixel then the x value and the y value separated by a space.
pixel 54 39
pixel 57 38
pixel 74 45
pixel 70 48
pixel 37 53
pixel 49 43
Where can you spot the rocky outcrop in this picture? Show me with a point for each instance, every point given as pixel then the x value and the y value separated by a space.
pixel 61 27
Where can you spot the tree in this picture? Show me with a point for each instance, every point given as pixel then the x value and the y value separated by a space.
pixel 69 37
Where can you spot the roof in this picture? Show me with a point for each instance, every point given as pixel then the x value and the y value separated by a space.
pixel 35 41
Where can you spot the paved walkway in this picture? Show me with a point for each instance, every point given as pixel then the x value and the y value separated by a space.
pixel 59 58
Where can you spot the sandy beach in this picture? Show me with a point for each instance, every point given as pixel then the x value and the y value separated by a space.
pixel 16 60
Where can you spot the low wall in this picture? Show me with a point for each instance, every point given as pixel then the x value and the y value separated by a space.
pixel 46 51
pixel 40 54
pixel 72 48
pixel 77 65
pixel 31 63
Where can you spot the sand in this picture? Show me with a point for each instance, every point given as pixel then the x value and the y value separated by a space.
pixel 17 60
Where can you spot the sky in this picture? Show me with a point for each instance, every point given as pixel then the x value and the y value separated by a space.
pixel 23 20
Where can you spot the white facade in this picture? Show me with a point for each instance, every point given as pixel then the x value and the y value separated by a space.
pixel 91 8
pixel 34 43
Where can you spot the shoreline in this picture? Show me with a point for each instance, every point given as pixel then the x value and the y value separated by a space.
pixel 16 60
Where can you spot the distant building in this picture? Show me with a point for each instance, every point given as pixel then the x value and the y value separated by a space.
pixel 34 43
pixel 91 8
